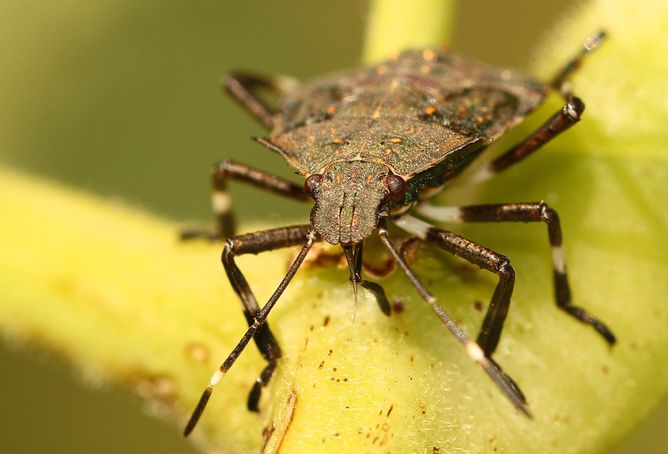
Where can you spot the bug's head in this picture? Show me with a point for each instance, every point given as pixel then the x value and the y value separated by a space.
pixel 349 196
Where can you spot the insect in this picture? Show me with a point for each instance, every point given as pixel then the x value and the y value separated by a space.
pixel 373 144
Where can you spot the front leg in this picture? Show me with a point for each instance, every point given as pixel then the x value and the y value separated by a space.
pixel 254 243
pixel 222 204
pixel 479 352
pixel 492 325
pixel 244 244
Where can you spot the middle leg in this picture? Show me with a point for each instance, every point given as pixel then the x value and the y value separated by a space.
pixel 526 212
pixel 221 202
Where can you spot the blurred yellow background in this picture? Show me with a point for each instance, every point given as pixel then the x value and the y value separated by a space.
pixel 122 99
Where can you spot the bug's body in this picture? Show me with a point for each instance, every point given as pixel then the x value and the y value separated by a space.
pixel 424 116
pixel 374 143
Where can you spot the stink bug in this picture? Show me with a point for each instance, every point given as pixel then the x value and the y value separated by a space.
pixel 373 144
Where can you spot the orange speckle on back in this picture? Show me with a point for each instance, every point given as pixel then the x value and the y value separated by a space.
pixel 396 140
pixel 337 140
pixel 429 55
pixel 431 110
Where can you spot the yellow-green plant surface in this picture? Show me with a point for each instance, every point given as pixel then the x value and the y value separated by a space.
pixel 393 26
pixel 112 290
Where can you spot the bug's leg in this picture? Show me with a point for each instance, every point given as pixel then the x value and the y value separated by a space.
pixel 220 197
pixel 487 259
pixel 244 88
pixel 476 351
pixel 559 82
pixel 379 293
pixel 566 117
pixel 254 243
pixel 526 212
pixel 354 257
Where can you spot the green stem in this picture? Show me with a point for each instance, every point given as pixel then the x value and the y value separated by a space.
pixel 395 25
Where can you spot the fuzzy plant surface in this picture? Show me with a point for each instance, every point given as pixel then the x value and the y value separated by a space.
pixel 144 311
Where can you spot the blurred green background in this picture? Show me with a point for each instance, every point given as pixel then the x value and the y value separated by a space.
pixel 121 98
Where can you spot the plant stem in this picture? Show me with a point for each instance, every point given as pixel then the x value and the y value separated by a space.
pixel 395 25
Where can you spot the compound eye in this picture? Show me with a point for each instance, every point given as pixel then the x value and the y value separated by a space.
pixel 312 183
pixel 396 186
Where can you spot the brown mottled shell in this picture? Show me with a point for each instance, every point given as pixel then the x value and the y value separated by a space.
pixel 411 113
